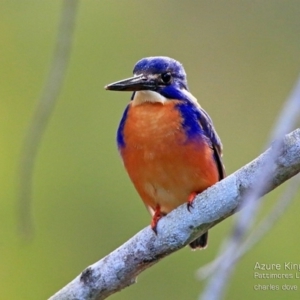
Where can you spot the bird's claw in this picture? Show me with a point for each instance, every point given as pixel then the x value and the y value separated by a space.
pixel 191 198
pixel 156 217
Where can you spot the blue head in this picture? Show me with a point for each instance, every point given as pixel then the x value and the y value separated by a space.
pixel 163 70
pixel 160 74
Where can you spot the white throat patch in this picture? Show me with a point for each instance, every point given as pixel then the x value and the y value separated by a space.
pixel 148 96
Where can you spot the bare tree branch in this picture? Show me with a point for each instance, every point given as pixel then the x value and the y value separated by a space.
pixel 120 268
pixel 43 112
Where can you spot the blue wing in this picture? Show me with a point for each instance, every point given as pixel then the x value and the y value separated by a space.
pixel 215 142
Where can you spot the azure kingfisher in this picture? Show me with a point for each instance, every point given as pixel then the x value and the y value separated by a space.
pixel 167 141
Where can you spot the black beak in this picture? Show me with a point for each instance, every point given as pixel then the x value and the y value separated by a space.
pixel 136 83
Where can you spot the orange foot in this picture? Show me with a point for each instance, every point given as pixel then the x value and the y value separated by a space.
pixel 191 198
pixel 156 217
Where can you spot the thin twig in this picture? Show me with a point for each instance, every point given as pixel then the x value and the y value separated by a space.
pixel 43 112
pixel 286 121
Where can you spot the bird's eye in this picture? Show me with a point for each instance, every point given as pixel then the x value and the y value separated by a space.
pixel 166 77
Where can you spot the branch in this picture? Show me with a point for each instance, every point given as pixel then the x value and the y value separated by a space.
pixel 43 112
pixel 120 268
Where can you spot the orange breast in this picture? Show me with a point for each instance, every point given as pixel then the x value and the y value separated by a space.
pixel 163 164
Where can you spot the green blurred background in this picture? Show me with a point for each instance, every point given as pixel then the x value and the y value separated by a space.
pixel 242 60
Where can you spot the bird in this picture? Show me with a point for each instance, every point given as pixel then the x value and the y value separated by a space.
pixel 167 141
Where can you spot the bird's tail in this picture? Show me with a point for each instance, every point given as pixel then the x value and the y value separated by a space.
pixel 200 242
